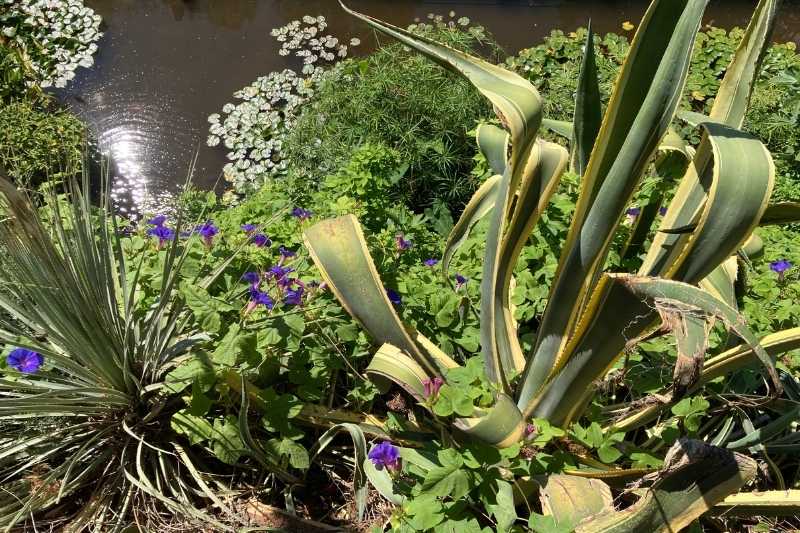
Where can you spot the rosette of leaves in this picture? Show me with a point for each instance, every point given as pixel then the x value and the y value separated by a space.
pixel 96 434
pixel 685 282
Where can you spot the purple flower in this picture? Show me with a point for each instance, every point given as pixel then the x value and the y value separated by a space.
pixel 163 234
pixel 261 240
pixel 278 272
pixel 432 386
pixel 460 281
pixel 302 214
pixel 385 455
pixel 25 361
pixel 253 278
pixel 633 212
pixel 662 211
pixel 249 228
pixel 257 298
pixel 294 296
pixel 157 220
pixel 780 267
pixel 401 243
pixel 285 254
pixel 207 232
pixel 431 262
pixel 394 297
pixel 530 430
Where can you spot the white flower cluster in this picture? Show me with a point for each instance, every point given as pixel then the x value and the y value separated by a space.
pixel 253 129
pixel 58 36
pixel 439 22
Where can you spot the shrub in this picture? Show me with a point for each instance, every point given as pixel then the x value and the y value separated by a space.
pixel 427 122
pixel 39 142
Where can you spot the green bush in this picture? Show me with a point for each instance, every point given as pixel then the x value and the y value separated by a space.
pixel 39 141
pixel 427 121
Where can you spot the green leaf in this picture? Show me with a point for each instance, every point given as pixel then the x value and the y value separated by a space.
pixel 226 442
pixel 588 113
pixel 644 100
pixel 448 479
pixel 195 428
pixel 194 367
pixel 425 512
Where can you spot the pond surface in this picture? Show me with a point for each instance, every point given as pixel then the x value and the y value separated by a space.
pixel 165 65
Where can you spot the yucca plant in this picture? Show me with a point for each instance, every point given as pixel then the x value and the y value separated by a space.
pixel 84 412
pixel 685 282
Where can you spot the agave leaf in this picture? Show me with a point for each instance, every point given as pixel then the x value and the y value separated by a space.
pixel 493 142
pixel 682 294
pixel 691 330
pixel 588 108
pixel 571 499
pixel 390 364
pixel 696 476
pixel 642 105
pixel 728 361
pixel 566 395
pixel 518 106
pixel 339 250
pixel 782 213
pixel 721 230
pixel 743 178
pixel 720 283
pixel 767 503
pixel 479 205
pixel 539 182
pixel 501 425
pixel 673 158
pixel 559 127
pixel 729 109
pixel 515 100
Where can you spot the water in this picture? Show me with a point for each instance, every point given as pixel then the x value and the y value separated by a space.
pixel 165 65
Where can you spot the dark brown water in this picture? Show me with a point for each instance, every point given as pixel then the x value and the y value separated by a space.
pixel 165 65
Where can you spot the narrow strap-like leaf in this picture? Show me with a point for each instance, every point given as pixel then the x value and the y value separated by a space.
pixel 538 185
pixel 493 142
pixel 642 105
pixel 339 250
pixel 588 109
pixel 479 205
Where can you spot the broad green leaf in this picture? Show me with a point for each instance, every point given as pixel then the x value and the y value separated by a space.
pixel 647 92
pixel 195 428
pixel 226 443
pixel 588 109
pixel 196 367
pixel 447 480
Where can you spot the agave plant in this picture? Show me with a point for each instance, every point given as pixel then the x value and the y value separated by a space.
pixel 86 418
pixel 685 282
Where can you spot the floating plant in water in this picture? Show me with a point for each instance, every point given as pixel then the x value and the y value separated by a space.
pixel 55 36
pixel 253 130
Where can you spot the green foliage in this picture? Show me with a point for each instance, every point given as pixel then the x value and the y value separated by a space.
pixel 39 142
pixel 370 100
pixel 552 67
